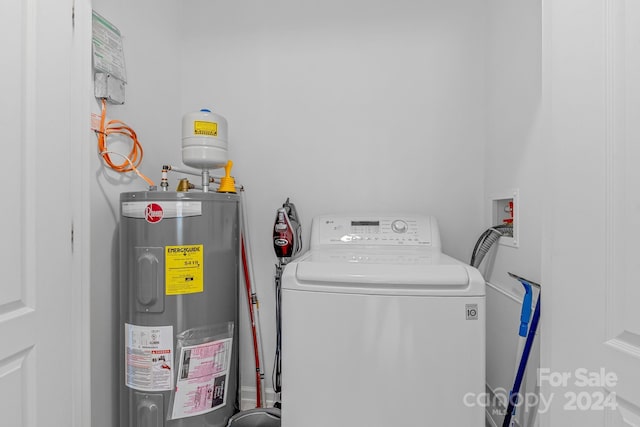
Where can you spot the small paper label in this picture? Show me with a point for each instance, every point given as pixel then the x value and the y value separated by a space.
pixel 205 128
pixel 108 56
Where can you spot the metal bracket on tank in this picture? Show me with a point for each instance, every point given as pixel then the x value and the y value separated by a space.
pixel 149 409
pixel 149 280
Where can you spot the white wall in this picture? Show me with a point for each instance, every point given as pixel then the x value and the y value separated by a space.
pixel 358 106
pixel 151 44
pixel 375 80
pixel 344 106
pixel 513 160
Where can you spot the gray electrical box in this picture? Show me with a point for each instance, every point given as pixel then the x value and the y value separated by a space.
pixel 108 87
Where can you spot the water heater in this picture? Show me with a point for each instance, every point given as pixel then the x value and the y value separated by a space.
pixel 178 308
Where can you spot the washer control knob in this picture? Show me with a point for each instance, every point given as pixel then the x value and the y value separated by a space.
pixel 399 226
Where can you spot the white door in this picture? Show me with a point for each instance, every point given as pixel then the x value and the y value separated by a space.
pixel 622 313
pixel 591 267
pixel 39 357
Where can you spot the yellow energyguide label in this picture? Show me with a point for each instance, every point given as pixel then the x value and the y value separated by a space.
pixel 205 128
pixel 184 269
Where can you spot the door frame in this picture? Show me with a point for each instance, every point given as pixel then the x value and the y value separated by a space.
pixel 82 136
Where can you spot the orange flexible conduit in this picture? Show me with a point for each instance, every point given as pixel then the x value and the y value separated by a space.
pixel 134 158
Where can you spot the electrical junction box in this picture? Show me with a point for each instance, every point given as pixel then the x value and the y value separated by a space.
pixel 108 87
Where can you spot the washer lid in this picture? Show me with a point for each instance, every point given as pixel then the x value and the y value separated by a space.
pixel 446 276
pixel 367 273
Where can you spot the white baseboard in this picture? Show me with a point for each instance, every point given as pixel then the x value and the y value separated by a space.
pixel 248 397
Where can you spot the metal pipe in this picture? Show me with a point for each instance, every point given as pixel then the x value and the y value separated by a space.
pixel 205 180
pixel 182 170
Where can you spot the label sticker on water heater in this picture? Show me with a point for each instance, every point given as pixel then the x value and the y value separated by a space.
pixel 202 382
pixel 148 357
pixel 184 269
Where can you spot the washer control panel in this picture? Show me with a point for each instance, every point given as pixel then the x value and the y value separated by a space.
pixel 386 230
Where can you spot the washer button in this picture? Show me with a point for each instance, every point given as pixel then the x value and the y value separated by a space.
pixel 399 226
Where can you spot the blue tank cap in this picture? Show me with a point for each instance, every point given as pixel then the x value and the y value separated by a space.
pixel 205 110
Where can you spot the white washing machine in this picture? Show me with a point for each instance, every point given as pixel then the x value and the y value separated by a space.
pixel 380 329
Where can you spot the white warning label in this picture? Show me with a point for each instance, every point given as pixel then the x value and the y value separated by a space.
pixel 148 357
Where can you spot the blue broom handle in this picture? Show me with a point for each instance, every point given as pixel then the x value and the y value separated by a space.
pixel 513 396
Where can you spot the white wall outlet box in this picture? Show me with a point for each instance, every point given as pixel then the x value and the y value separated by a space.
pixel 505 208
